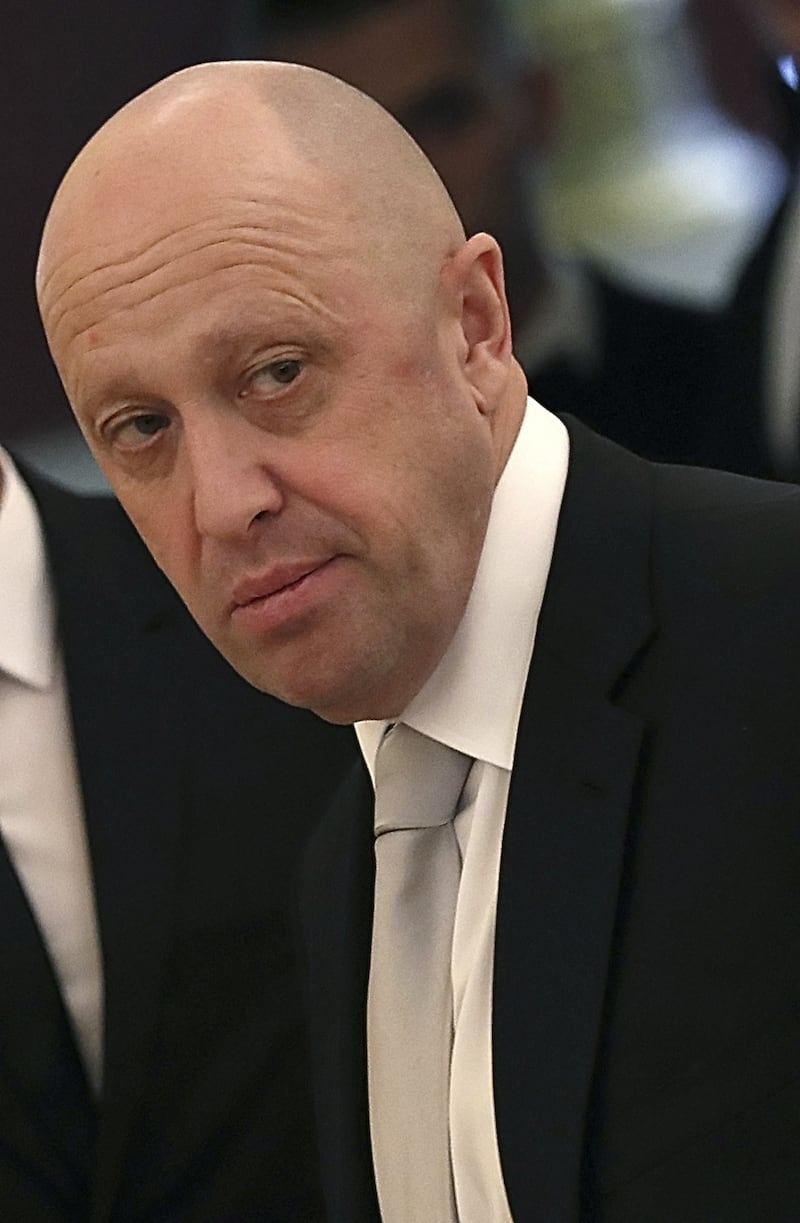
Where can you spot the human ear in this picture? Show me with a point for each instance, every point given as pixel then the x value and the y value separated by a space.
pixel 476 272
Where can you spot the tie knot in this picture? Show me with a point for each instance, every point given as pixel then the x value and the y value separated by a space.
pixel 418 781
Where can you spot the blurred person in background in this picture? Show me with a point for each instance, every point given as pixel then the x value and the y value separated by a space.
pixel 751 75
pixel 152 805
pixel 778 23
pixel 483 109
pixel 753 425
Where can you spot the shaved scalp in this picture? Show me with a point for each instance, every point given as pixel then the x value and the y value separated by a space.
pixel 221 129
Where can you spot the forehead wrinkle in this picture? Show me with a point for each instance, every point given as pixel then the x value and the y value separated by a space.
pixel 284 250
pixel 309 301
pixel 83 285
pixel 285 230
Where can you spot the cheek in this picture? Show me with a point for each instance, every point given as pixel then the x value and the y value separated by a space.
pixel 168 535
pixel 444 517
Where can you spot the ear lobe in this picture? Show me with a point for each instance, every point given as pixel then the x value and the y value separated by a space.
pixel 485 322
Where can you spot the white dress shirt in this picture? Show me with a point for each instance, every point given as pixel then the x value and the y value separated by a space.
pixel 41 813
pixel 472 702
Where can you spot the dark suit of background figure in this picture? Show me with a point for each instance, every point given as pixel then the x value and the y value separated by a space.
pixel 735 428
pixel 198 792
pixel 649 390
pixel 734 432
pixel 646 1023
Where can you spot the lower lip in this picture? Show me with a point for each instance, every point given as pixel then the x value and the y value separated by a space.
pixel 287 605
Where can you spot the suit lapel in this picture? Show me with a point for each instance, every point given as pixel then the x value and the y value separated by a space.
pixel 129 765
pixel 566 826
pixel 133 803
pixel 336 897
pixel 46 1113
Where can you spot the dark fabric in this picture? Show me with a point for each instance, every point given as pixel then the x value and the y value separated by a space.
pixel 734 434
pixel 336 908
pixel 646 1001
pixel 199 793
pixel 649 391
pixel 47 1120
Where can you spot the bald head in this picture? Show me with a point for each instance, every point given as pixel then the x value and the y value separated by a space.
pixel 252 129
pixel 293 369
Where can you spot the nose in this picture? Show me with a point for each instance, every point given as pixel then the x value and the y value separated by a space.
pixel 232 484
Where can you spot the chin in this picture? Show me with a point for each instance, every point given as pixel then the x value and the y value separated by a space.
pixel 301 696
pixel 351 686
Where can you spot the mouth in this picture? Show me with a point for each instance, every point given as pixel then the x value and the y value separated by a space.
pixel 272 599
pixel 273 581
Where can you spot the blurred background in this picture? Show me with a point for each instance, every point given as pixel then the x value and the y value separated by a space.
pixel 667 153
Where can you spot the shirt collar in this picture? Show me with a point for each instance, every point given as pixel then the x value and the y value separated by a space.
pixel 473 699
pixel 27 612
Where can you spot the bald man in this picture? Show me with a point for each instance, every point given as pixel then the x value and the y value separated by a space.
pixel 571 994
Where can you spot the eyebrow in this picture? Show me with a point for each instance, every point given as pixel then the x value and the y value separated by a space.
pixel 227 341
pixel 118 388
pixel 127 383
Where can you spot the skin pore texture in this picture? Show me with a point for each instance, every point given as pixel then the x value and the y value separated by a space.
pixel 293 370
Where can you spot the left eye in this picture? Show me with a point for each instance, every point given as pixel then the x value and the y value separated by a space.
pixel 282 372
pixel 136 432
pixel 148 424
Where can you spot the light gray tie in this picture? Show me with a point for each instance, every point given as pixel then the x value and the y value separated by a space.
pixel 410 1008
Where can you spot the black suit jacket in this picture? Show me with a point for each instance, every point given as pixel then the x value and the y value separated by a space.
pixel 198 793
pixel 646 1016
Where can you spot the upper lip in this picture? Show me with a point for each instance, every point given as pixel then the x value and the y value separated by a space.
pixel 262 585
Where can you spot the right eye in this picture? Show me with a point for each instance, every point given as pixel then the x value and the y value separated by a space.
pixel 274 374
pixel 136 431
